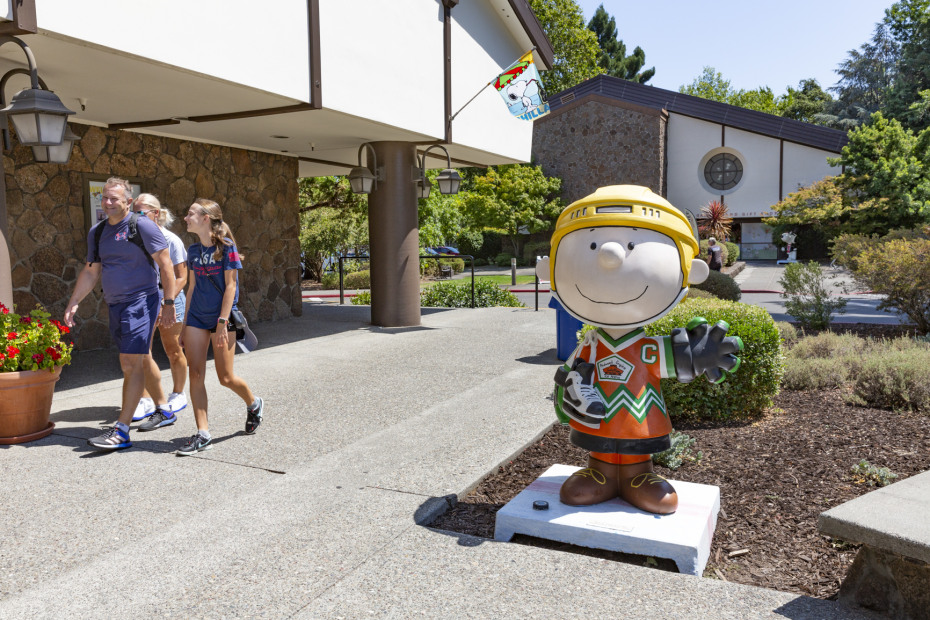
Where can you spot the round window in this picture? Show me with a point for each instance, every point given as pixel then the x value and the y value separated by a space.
pixel 723 171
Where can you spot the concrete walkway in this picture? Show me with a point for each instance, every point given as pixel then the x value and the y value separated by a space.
pixel 369 433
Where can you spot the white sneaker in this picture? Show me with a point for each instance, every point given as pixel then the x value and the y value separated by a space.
pixel 144 409
pixel 176 401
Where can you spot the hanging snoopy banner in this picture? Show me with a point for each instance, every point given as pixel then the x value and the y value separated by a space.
pixel 522 89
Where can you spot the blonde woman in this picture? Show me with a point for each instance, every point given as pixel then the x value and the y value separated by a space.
pixel 149 206
pixel 214 293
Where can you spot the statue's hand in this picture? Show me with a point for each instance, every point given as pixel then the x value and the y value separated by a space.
pixel 703 351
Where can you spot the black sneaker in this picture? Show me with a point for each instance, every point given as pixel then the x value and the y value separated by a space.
pixel 157 420
pixel 253 417
pixel 194 445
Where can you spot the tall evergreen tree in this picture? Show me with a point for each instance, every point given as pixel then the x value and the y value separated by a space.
pixel 613 59
pixel 909 24
pixel 574 46
pixel 866 77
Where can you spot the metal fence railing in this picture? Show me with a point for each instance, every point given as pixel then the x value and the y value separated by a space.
pixel 470 258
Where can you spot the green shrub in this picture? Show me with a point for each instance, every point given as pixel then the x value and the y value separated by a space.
pixel 808 298
pixel 747 392
pixel 814 374
pixel 866 473
pixel 824 361
pixel 898 269
pixel 720 285
pixel 533 249
pixel 503 259
pixel 480 262
pixel 432 268
pixel 681 451
pixel 363 298
pixel 732 252
pixel 892 378
pixel 330 280
pixel 358 279
pixel 723 252
pixel 696 293
pixel 457 294
pixel 828 345
pixel 788 332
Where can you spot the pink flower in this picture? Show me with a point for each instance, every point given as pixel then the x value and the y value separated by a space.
pixel 38 357
pixel 27 320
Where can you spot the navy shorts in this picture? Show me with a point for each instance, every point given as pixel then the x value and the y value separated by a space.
pixel 132 323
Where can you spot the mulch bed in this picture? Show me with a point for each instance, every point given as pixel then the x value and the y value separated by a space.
pixel 776 475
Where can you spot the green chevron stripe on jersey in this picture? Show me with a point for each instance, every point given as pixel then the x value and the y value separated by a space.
pixel 639 408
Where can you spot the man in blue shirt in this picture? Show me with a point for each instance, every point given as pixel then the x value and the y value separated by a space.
pixel 130 288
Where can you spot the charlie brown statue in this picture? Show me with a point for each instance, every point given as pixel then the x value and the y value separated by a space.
pixel 622 258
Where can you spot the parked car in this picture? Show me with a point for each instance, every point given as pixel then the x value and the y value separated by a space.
pixel 446 249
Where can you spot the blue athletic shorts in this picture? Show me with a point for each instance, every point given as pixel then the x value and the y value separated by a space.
pixel 132 323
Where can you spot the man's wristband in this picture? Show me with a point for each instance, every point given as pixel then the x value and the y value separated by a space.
pixel 167 302
pixel 222 320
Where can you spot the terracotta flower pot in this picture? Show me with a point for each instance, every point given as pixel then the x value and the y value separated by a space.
pixel 25 404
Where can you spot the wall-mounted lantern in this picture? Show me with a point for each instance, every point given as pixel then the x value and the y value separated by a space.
pixel 448 180
pixel 363 179
pixel 38 115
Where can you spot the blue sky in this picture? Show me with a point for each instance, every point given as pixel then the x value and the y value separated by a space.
pixel 752 43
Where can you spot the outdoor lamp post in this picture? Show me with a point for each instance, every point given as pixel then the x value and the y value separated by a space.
pixel 362 179
pixel 56 154
pixel 38 115
pixel 419 177
pixel 448 180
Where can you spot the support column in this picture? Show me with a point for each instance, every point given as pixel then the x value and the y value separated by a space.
pixel 393 237
pixel 6 276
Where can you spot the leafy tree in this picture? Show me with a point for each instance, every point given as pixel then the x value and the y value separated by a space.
pixel 886 163
pixel 865 80
pixel 806 102
pixel 613 59
pixel 440 217
pixel 712 85
pixel 332 220
pixel 512 197
pixel 574 46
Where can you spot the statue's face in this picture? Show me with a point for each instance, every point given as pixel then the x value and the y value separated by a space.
pixel 616 275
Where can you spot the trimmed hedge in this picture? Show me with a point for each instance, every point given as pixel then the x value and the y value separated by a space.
pixel 457 294
pixel 720 285
pixel 732 253
pixel 503 259
pixel 744 394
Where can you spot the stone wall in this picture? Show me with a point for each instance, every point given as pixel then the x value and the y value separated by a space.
pixel 48 233
pixel 595 141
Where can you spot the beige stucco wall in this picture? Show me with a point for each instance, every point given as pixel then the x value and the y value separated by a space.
pixel 48 230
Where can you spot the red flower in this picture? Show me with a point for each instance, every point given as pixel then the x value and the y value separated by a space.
pixel 12 335
pixel 38 357
pixel 27 320
pixel 11 351
pixel 2 356
pixel 4 309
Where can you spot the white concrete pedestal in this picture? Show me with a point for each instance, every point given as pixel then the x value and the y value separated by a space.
pixel 615 525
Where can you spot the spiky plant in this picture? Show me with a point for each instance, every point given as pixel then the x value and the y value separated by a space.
pixel 714 220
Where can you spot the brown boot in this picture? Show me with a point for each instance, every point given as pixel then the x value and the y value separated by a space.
pixel 595 484
pixel 646 490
